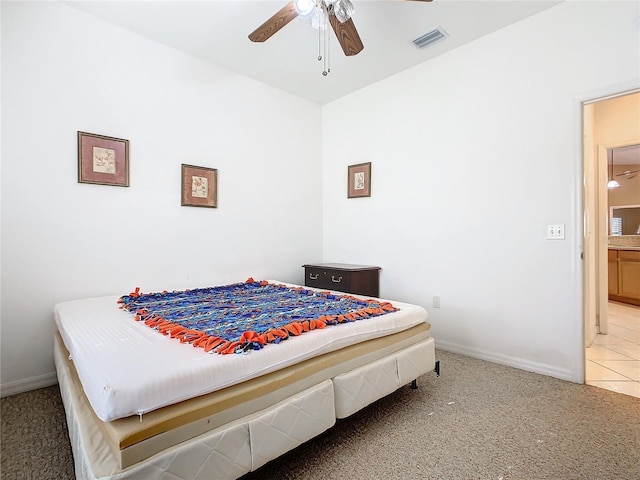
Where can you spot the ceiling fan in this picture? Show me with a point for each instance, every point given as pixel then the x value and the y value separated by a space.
pixel 339 13
pixel 628 173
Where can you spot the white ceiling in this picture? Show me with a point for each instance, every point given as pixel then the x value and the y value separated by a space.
pixel 216 31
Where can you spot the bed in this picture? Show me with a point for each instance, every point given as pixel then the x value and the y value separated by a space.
pixel 143 405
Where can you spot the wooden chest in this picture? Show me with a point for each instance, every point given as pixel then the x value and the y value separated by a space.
pixel 343 277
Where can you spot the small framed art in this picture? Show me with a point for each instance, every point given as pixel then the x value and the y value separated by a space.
pixel 103 160
pixel 199 186
pixel 359 180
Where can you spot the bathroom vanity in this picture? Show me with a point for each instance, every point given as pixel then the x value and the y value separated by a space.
pixel 624 274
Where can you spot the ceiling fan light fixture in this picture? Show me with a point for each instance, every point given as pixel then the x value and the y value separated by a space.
pixel 612 183
pixel 343 10
pixel 304 7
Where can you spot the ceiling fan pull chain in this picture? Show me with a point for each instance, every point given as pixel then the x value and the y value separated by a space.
pixel 320 37
pixel 327 53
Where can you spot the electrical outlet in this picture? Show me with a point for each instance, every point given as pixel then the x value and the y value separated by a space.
pixel 436 301
pixel 555 232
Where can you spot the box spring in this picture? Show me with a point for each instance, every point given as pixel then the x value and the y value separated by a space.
pixel 221 432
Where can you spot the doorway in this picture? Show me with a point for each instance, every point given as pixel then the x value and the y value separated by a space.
pixel 612 329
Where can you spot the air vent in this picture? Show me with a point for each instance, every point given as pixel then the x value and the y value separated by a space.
pixel 428 38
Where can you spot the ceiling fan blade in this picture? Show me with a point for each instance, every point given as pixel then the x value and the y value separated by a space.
pixel 347 34
pixel 275 23
pixel 626 173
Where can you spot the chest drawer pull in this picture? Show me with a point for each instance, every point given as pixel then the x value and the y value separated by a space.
pixel 314 277
pixel 333 279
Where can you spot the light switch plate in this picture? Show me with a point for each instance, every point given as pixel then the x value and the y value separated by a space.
pixel 555 232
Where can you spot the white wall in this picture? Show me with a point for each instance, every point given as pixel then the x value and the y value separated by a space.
pixel 64 71
pixel 473 154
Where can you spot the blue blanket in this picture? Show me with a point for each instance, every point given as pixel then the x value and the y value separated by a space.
pixel 245 316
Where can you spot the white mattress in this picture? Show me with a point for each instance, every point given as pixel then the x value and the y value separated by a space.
pixel 127 368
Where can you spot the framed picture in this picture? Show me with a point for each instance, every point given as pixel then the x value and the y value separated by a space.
pixel 199 186
pixel 359 180
pixel 103 160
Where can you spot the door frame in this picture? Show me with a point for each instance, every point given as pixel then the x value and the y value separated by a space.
pixel 594 226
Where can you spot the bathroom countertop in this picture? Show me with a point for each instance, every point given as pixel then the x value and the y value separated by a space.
pixel 624 247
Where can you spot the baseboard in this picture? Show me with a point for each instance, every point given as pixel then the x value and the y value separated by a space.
pixel 515 362
pixel 33 383
pixel 631 301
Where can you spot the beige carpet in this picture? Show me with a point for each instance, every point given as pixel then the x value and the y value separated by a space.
pixel 477 421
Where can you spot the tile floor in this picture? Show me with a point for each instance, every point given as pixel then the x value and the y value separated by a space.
pixel 613 360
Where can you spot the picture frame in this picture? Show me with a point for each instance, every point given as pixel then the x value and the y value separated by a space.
pixel 359 180
pixel 103 160
pixel 199 186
